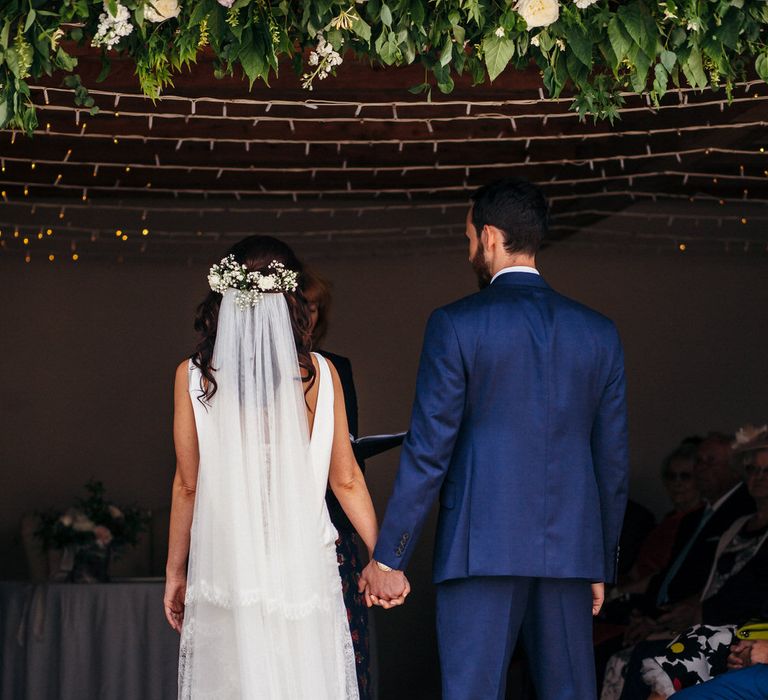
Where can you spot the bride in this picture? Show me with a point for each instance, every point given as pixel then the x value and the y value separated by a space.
pixel 260 430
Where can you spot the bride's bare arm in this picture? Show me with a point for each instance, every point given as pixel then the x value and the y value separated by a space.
pixel 346 478
pixel 182 499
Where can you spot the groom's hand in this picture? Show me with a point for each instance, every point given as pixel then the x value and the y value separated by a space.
pixel 598 597
pixel 384 588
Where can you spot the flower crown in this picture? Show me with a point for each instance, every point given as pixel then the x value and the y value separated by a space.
pixel 250 286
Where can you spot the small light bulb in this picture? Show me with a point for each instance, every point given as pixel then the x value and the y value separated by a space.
pixel 25 241
pixel 682 247
pixel 27 258
pixel 33 166
pixel 75 257
pixel 118 233
pixel 40 236
pixel 26 191
pixel 743 220
pixel 127 168
pixel 114 140
pixel 145 232
pixel 49 232
pixel 125 238
pixel 51 257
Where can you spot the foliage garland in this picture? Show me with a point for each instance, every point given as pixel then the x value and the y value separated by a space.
pixel 597 48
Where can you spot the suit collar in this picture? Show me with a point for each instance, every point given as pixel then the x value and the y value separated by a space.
pixel 520 279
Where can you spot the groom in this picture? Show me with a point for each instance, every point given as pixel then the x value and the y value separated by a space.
pixel 519 424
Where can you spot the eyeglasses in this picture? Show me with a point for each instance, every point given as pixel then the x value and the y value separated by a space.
pixel 754 470
pixel 678 476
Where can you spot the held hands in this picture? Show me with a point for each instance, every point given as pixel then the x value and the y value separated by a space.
pixel 173 601
pixel 386 589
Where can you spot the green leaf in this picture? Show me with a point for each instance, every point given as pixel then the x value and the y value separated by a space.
pixel 498 52
pixel 640 65
pixel 761 66
pixel 640 26
pixel 64 60
pixel 447 52
pixel 30 20
pixel 694 70
pixel 362 29
pixel 459 33
pixel 661 78
pixel 729 30
pixel 5 34
pixel 386 15
pixel 581 45
pixel 620 40
pixel 3 113
pixel 668 59
pixel 106 66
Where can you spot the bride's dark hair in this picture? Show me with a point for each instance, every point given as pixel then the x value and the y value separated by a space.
pixel 256 253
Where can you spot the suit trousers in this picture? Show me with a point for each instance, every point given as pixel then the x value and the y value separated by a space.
pixel 480 618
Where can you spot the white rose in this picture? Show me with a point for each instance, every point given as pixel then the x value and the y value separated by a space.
pixel 267 282
pixel 161 10
pixel 538 13
pixel 582 4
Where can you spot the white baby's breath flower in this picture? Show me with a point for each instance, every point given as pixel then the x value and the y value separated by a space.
pixel 161 10
pixel 499 32
pixel 694 25
pixel 560 44
pixel 538 13
pixel 535 40
pixel 111 27
pixel 669 15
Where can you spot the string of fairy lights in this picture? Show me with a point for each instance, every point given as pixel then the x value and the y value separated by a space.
pixel 31 184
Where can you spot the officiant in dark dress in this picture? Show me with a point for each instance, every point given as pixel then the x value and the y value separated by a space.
pixel 318 293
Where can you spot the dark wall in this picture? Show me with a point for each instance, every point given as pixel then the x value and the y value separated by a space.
pixel 89 352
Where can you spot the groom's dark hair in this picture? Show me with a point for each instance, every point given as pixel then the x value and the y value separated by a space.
pixel 516 207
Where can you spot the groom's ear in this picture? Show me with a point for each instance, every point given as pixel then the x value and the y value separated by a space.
pixel 491 236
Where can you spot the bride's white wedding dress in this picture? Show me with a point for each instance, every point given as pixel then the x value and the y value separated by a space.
pixel 264 614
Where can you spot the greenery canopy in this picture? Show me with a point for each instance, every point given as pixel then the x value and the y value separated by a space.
pixel 595 48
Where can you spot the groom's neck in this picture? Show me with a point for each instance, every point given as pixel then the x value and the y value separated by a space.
pixel 514 260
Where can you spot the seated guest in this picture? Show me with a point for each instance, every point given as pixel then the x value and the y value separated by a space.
pixel 727 498
pixel 670 604
pixel 317 291
pixel 656 550
pixel 737 589
pixel 654 553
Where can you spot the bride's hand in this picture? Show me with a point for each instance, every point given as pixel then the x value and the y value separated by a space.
pixel 173 601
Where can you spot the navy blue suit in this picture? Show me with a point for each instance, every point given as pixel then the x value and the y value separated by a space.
pixel 519 423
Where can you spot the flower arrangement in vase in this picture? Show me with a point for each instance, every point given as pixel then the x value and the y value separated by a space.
pixel 89 533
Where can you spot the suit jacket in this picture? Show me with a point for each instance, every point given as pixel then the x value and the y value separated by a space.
pixel 693 572
pixel 519 423
pixel 344 368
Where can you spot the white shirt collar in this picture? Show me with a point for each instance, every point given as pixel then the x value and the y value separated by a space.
pixel 516 268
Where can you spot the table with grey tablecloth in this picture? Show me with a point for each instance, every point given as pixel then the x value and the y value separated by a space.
pixel 70 641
